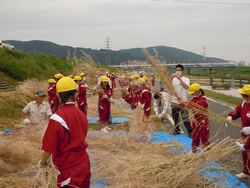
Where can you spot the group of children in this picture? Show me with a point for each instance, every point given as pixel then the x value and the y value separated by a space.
pixel 66 126
pixel 135 94
pixel 81 98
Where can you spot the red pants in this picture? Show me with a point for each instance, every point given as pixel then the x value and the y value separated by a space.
pixel 153 83
pixel 82 106
pixel 76 176
pixel 104 111
pixel 200 132
pixel 113 85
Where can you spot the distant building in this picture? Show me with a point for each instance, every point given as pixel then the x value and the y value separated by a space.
pixel 242 63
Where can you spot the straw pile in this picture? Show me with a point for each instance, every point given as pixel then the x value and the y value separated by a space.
pixel 126 161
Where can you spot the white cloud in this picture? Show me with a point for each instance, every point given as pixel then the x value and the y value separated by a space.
pixel 223 29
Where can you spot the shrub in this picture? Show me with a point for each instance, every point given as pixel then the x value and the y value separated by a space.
pixel 14 71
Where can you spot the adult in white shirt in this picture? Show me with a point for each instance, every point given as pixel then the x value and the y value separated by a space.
pixel 39 110
pixel 180 84
pixel 162 107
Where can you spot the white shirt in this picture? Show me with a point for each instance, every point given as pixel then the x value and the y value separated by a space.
pixel 165 106
pixel 38 114
pixel 181 91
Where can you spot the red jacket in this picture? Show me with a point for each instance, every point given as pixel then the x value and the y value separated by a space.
pixel 242 111
pixel 112 78
pixel 65 137
pixel 145 98
pixel 201 100
pixel 82 92
pixel 51 93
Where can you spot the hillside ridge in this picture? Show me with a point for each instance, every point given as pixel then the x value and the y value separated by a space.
pixel 99 56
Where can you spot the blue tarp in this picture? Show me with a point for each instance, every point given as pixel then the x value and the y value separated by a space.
pixel 9 131
pixel 115 120
pixel 211 175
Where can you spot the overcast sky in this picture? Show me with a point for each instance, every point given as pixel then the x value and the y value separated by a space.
pixel 224 29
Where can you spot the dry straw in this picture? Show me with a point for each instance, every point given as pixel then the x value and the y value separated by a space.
pixel 131 162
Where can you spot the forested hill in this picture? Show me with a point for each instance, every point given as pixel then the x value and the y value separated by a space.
pixel 170 53
pixel 49 48
pixel 99 56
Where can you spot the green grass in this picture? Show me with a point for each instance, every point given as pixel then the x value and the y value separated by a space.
pixel 228 73
pixel 222 97
pixel 21 66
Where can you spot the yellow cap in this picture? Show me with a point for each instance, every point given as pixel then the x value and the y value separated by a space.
pixel 136 76
pixel 193 88
pixel 132 77
pixel 141 80
pixel 245 90
pixel 71 76
pixel 82 74
pixel 95 76
pixel 107 72
pixel 112 73
pixel 77 78
pixel 51 81
pixel 104 79
pixel 123 76
pixel 152 73
pixel 65 84
pixel 145 78
pixel 58 76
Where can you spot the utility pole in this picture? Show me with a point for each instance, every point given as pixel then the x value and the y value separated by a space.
pixel 108 53
pixel 204 55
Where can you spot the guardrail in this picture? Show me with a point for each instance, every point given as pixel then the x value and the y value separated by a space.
pixel 213 81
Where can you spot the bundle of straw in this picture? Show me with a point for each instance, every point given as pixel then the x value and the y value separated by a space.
pixel 137 124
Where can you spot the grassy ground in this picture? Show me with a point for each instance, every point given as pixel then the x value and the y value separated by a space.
pixel 223 98
pixel 236 73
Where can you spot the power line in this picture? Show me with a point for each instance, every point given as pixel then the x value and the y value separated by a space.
pixel 201 2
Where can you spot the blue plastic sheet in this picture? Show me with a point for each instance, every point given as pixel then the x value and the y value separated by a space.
pixel 210 174
pixel 9 131
pixel 115 120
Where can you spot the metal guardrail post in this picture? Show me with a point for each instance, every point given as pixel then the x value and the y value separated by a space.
pixel 198 80
pixel 240 83
pixel 222 80
pixel 211 81
pixel 232 82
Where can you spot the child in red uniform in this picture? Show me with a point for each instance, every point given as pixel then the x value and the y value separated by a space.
pixel 65 139
pixel 125 96
pixel 52 94
pixel 141 75
pixel 153 79
pixel 57 103
pixel 81 95
pixel 145 102
pixel 146 82
pixel 104 105
pixel 243 111
pixel 201 121
pixel 132 92
pixel 112 78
